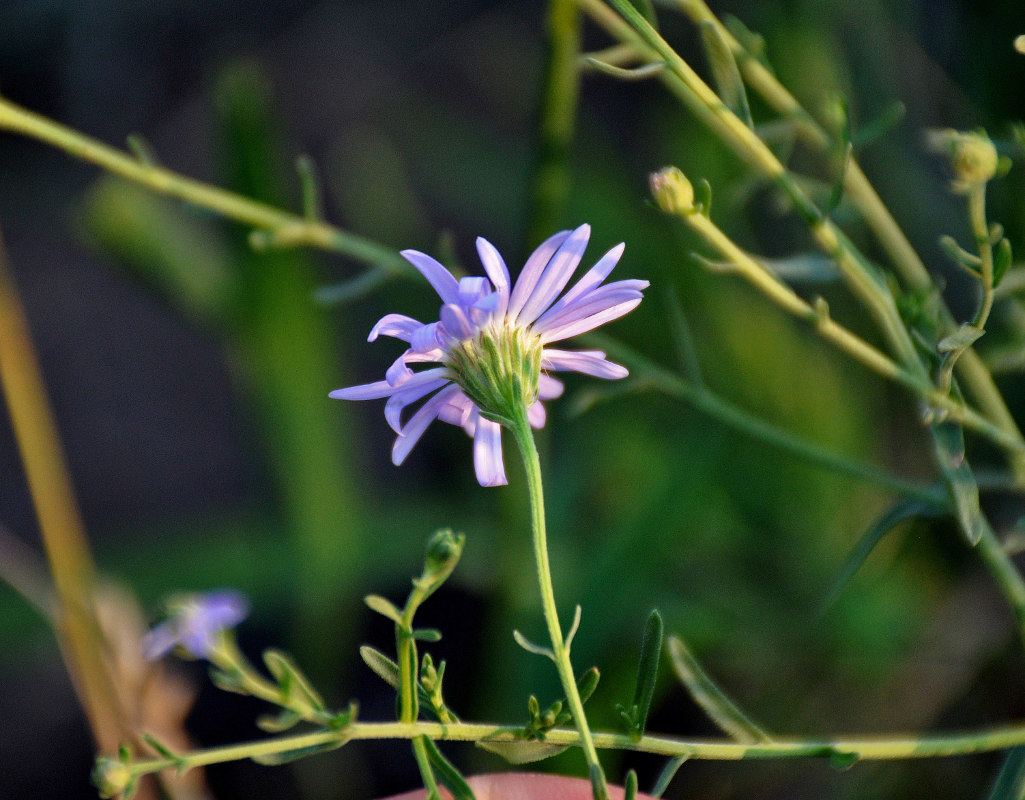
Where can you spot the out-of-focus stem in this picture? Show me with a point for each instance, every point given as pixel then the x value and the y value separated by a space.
pixel 975 376
pixel 60 524
pixel 557 118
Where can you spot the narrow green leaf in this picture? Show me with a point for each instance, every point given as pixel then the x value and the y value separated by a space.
pixel 725 73
pixel 720 709
pixel 448 774
pixel 386 669
pixel 963 337
pixel 226 681
pixel 802 268
pixel 899 512
pixel 647 9
pixel 876 129
pixel 427 635
pixel 353 289
pixel 668 773
pixel 625 73
pixel 160 747
pixel 276 723
pixel 960 256
pixel 275 759
pixel 687 354
pixel 384 607
pixel 963 491
pixel 523 752
pixel 530 647
pixel 587 683
pixel 630 786
pixel 1010 782
pixel 647 669
pixel 291 679
pixel 1002 259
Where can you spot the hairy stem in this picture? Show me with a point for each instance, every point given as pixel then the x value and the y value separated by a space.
pixel 520 429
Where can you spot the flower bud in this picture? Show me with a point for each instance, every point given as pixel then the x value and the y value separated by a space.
pixel 673 193
pixel 973 158
pixel 111 776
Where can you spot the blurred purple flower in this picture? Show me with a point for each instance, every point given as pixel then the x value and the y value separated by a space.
pixel 475 309
pixel 194 624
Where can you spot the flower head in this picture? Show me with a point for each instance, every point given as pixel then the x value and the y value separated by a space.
pixel 195 622
pixel 490 344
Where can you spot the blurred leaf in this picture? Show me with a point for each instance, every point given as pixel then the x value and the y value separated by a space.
pixel 1010 782
pixel 291 679
pixel 523 752
pixel 276 723
pixel 720 709
pixel 384 607
pixel 668 773
pixel 447 774
pixel 647 671
pixel 803 268
pixel 899 512
pixel 1002 260
pixel 726 76
pixel 178 253
pixel 275 759
pixel 963 337
pixel 948 443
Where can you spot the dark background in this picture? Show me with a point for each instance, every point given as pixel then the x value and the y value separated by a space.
pixel 205 452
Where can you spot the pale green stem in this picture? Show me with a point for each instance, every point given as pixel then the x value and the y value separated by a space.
pixel 732 416
pixel 980 231
pixel 865 748
pixel 520 429
pixel 284 227
pixel 974 374
pixel 856 347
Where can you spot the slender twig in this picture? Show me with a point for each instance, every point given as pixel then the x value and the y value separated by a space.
pixel 556 118
pixel 60 524
pixel 843 749
pixel 974 374
pixel 647 372
pixel 285 228
pixel 520 429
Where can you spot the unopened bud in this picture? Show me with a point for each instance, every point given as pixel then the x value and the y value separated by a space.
pixel 671 190
pixel 111 777
pixel 973 158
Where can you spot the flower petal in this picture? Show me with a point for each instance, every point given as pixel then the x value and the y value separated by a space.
pixel 437 276
pixel 487 454
pixel 455 323
pixel 537 416
pixel 420 385
pixel 159 641
pixel 419 423
pixel 555 276
pixel 591 280
pixel 398 325
pixel 586 362
pixel 366 391
pixel 590 303
pixel 532 270
pixel 548 388
pixel 571 329
pixel 494 266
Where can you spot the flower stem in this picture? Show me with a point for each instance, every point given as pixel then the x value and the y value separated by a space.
pixel 520 429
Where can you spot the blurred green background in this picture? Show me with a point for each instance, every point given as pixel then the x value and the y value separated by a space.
pixel 190 375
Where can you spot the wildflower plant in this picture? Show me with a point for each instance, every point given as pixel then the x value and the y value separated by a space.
pixel 487 363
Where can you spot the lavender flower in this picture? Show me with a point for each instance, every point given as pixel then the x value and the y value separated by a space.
pixel 490 344
pixel 195 623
